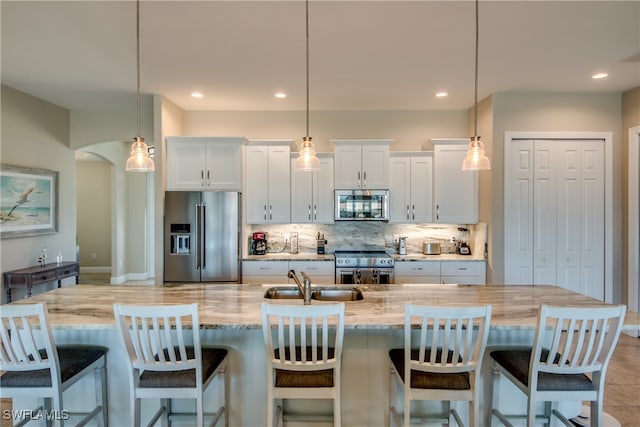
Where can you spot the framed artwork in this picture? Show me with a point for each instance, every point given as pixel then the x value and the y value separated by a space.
pixel 28 201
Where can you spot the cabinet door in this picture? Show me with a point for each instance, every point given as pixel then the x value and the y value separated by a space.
pixel 257 184
pixel 185 164
pixel 224 166
pixel 301 195
pixel 421 189
pixel 279 184
pixel 400 189
pixel 323 192
pixel 375 167
pixel 348 167
pixel 455 191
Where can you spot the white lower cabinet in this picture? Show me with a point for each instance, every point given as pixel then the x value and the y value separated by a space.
pixel 275 272
pixel 320 272
pixel 446 272
pixel 265 272
pixel 417 272
pixel 463 272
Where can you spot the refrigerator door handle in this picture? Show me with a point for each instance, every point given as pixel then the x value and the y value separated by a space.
pixel 197 242
pixel 203 235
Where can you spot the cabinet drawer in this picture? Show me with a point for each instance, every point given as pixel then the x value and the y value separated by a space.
pixel 266 268
pixel 417 268
pixel 313 268
pixel 43 277
pixel 462 268
pixel 67 270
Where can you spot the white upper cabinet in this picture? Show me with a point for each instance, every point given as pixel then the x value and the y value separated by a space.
pixel 410 187
pixel 455 192
pixel 268 182
pixel 312 192
pixel 361 163
pixel 204 163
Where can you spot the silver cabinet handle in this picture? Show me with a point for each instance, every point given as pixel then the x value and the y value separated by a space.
pixel 265 212
pixel 414 212
pixel 437 211
pixel 270 212
pixel 208 179
pixel 407 211
pixel 202 178
pixel 315 212
pixel 365 179
pixel 309 213
pixel 359 180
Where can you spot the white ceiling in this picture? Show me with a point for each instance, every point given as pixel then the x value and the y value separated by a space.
pixel 365 55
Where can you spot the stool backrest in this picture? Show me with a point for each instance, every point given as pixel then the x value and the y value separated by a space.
pixel 157 337
pixel 447 339
pixel 26 342
pixel 305 329
pixel 572 340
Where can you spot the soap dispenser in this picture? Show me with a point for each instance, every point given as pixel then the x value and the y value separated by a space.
pixel 402 245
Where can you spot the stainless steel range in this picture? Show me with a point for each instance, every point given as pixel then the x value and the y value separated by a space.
pixel 364 267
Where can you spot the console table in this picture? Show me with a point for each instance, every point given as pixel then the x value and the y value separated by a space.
pixel 27 277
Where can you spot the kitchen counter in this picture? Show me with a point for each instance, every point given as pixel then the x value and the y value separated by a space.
pixel 441 257
pixel 230 317
pixel 286 256
pixel 238 306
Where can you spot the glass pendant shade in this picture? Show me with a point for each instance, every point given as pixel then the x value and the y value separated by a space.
pixel 307 160
pixel 476 158
pixel 139 160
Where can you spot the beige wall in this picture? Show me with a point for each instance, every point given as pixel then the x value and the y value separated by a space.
pixel 411 130
pixel 93 189
pixel 35 134
pixel 557 113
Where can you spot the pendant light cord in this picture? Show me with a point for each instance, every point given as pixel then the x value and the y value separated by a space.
pixel 307 60
pixel 138 62
pixel 475 109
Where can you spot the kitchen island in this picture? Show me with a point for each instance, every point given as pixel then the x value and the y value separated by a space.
pixel 230 317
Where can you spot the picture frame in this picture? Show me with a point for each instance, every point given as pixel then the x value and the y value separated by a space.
pixel 28 201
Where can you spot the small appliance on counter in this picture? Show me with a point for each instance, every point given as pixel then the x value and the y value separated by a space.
pixel 431 248
pixel 463 246
pixel 402 245
pixel 259 243
pixel 320 243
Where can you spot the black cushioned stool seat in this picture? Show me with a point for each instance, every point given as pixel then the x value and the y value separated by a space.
pixel 429 380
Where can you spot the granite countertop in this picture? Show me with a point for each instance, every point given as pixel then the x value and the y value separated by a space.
pixel 238 306
pixel 285 256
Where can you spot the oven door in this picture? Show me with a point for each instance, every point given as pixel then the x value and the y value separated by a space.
pixel 364 276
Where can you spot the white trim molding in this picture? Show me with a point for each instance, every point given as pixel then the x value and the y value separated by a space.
pixel 633 226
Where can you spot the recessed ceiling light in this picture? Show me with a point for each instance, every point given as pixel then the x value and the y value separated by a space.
pixel 599 76
pixel 441 94
pixel 280 95
pixel 197 95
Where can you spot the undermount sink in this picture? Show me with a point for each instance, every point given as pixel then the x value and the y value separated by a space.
pixel 317 293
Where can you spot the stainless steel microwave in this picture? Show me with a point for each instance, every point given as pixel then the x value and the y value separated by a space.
pixel 362 205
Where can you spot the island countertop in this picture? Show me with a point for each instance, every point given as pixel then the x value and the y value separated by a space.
pixel 238 306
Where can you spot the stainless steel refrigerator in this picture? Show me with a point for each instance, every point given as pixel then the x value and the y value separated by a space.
pixel 202 236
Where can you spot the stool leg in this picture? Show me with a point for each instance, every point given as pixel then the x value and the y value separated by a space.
pixel 494 390
pixel 226 395
pixel 100 375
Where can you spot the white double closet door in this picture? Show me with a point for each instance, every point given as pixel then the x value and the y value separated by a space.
pixel 555 214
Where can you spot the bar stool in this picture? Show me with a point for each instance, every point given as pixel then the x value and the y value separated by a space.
pixel 425 372
pixel 167 361
pixel 569 343
pixel 35 368
pixel 303 358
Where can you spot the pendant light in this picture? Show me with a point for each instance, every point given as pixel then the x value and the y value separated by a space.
pixel 139 160
pixel 307 160
pixel 476 158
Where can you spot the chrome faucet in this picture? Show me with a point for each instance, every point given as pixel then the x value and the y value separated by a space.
pixel 305 289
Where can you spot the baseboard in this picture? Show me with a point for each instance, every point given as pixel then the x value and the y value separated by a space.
pixel 95 269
